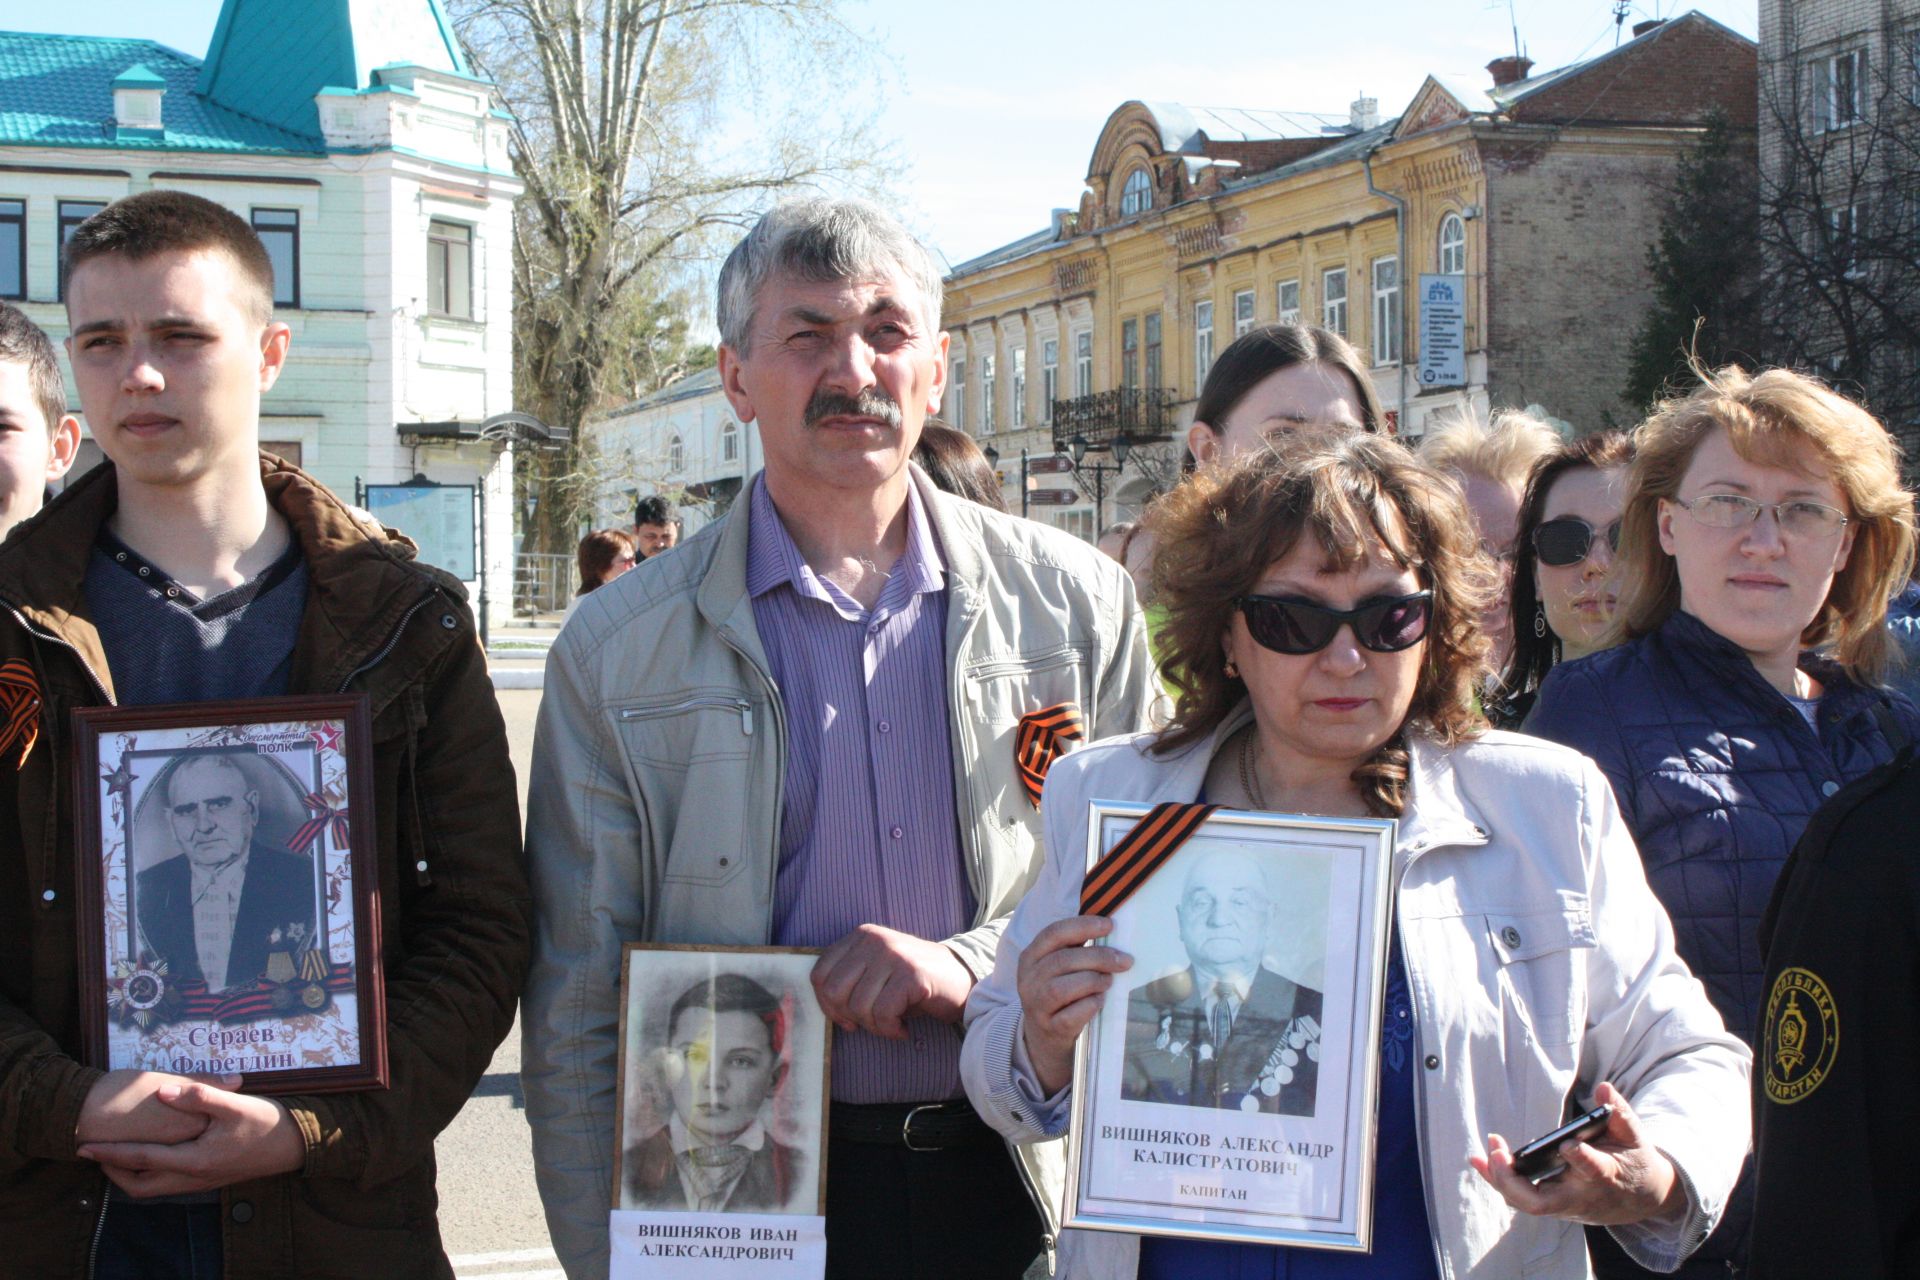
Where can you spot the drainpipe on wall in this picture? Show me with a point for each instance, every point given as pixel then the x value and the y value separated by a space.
pixel 1406 308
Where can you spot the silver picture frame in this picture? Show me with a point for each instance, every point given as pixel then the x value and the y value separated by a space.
pixel 1258 1127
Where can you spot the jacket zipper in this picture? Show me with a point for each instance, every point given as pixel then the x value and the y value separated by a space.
pixel 744 707
pixel 99 1229
pixel 388 647
pixel 777 710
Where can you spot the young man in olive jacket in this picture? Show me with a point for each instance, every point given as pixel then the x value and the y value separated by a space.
pixel 196 568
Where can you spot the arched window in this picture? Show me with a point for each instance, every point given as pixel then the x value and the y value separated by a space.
pixel 676 455
pixel 730 442
pixel 1453 245
pixel 1137 195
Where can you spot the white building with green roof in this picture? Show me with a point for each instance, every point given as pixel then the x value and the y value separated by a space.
pixel 356 140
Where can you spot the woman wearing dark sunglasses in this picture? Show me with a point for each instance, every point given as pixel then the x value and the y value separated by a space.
pixel 1563 588
pixel 1765 528
pixel 1322 636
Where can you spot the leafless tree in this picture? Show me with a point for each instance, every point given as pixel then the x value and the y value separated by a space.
pixel 1839 225
pixel 648 133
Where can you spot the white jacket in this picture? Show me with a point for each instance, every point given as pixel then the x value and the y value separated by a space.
pixel 1502 833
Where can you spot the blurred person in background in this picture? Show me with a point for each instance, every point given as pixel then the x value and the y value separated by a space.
pixel 655 527
pixel 1275 379
pixel 955 465
pixel 1765 528
pixel 1492 461
pixel 603 555
pixel 1563 589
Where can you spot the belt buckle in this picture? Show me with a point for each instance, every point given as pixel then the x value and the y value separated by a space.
pixel 906 1126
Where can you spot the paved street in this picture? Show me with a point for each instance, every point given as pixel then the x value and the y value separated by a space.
pixel 489 1210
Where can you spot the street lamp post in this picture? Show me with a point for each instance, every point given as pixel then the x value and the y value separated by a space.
pixel 1120 448
pixel 993 460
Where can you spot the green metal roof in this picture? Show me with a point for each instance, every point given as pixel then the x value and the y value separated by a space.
pixel 57 91
pixel 138 76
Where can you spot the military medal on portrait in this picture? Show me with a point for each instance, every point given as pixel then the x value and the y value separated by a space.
pixel 1226 1087
pixel 228 893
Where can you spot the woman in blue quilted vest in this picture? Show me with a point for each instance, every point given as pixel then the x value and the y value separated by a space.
pixel 1765 529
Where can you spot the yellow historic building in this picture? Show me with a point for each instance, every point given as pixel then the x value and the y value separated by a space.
pixel 1524 208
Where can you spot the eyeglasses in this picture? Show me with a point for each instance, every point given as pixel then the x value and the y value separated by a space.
pixel 1800 518
pixel 1568 540
pixel 1286 625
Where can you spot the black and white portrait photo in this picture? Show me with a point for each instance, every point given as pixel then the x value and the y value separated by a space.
pixel 1228 1029
pixel 218 896
pixel 724 1082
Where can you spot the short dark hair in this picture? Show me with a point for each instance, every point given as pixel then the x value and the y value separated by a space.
pixel 955 465
pixel 653 509
pixel 734 993
pixel 1535 653
pixel 24 342
pixel 163 221
pixel 1268 349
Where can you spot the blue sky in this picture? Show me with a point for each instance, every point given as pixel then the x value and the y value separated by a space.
pixel 995 105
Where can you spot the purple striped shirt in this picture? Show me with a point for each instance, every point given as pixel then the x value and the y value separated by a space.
pixel 868 833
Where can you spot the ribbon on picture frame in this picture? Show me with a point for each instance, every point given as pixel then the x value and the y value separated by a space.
pixel 1139 853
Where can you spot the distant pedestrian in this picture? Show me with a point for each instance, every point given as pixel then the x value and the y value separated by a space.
pixel 604 555
pixel 1279 378
pixel 955 465
pixel 1491 460
pixel 655 527
pixel 1563 584
pixel 1765 528
pixel 38 437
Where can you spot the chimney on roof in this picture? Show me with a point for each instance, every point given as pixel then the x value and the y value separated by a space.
pixel 136 102
pixel 1509 70
pixel 1364 114
pixel 1641 28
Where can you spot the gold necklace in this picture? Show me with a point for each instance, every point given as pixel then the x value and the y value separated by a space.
pixel 1250 776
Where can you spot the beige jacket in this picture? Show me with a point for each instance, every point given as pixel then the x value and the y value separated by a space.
pixel 654 813
pixel 1539 962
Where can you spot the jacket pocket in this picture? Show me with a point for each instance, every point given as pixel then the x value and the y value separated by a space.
pixel 995 692
pixel 689 757
pixel 1542 964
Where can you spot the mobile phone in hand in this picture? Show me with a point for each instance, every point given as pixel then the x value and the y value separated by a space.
pixel 1540 1159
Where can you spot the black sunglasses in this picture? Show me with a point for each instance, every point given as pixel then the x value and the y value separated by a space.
pixel 1567 540
pixel 1286 625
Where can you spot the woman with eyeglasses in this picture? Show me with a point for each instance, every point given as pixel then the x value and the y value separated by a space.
pixel 1563 589
pixel 1765 529
pixel 1322 604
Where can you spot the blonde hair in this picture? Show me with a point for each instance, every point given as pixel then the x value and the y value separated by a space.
pixel 1504 450
pixel 1221 529
pixel 1764 416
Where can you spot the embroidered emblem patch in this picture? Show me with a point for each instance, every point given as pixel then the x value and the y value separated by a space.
pixel 1801 1035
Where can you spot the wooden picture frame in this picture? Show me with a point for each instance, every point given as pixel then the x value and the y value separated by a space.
pixel 785 1127
pixel 247 823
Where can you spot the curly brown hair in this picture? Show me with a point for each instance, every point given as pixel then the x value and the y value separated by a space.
pixel 1220 531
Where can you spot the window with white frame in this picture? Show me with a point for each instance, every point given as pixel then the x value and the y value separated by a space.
pixel 1286 302
pixel 1453 245
pixel 1838 90
pixel 1153 349
pixel 450 269
pixel 987 425
pixel 1136 196
pixel 1333 300
pixel 279 232
pixel 13 249
pixel 1018 418
pixel 1844 228
pixel 1912 60
pixel 1130 353
pixel 1202 341
pixel 1083 363
pixel 730 442
pixel 1049 377
pixel 1077 521
pixel 676 455
pixel 71 213
pixel 1242 313
pixel 957 394
pixel 1386 310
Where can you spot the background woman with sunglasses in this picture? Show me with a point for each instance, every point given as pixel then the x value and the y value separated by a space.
pixel 1323 602
pixel 1563 589
pixel 1765 529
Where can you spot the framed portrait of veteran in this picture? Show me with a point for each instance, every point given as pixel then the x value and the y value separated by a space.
pixel 1226 1089
pixel 723 1081
pixel 228 891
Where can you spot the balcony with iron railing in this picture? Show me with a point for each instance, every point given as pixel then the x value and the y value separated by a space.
pixel 1139 415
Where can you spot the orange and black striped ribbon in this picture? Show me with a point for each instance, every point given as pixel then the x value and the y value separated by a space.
pixel 19 709
pixel 1041 740
pixel 1139 854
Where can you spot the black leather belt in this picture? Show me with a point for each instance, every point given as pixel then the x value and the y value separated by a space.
pixel 921 1126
